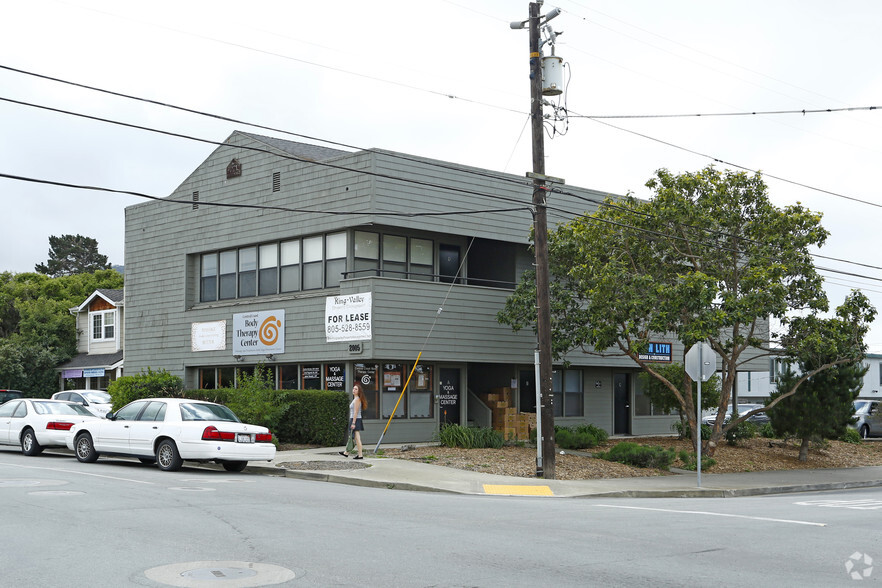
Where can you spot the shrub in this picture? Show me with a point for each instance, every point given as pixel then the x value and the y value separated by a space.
pixel 691 463
pixel 580 437
pixel 851 436
pixel 741 431
pixel 641 456
pixel 470 437
pixel 767 430
pixel 684 432
pixel 149 384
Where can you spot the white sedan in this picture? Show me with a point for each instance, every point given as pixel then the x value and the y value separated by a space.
pixel 35 423
pixel 172 430
pixel 97 402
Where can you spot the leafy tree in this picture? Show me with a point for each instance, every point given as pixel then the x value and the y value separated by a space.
pixel 708 258
pixel 822 409
pixel 664 400
pixel 37 331
pixel 72 254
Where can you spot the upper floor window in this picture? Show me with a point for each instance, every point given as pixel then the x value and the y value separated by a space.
pixel 103 325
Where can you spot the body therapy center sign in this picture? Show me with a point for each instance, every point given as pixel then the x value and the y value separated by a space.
pixel 258 333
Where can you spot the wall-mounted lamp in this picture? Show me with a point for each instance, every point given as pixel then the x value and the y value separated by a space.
pixel 270 356
pixel 237 357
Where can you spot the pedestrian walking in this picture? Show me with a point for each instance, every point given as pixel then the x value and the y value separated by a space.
pixel 356 426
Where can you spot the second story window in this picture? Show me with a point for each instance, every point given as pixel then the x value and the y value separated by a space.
pixel 104 325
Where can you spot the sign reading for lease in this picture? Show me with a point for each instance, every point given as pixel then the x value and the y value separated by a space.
pixel 257 333
pixel 348 317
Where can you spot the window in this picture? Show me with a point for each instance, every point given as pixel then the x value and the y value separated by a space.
pixel 394 256
pixel 566 385
pixel 103 325
pixel 290 266
pixel 247 271
pixel 393 381
pixel 335 258
pixel 267 276
pixel 312 263
pixel 643 405
pixel 422 393
pixel 312 377
pixel 227 278
pixel 367 374
pixel 366 254
pixel 208 280
pixel 288 377
pixel 421 256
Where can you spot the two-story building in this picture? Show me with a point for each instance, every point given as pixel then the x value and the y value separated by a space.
pixel 100 347
pixel 330 267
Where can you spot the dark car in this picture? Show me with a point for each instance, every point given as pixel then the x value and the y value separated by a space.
pixel 9 395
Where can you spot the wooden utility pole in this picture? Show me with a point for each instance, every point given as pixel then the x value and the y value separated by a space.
pixel 540 229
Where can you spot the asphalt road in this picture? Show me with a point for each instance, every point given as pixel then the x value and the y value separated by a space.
pixel 121 523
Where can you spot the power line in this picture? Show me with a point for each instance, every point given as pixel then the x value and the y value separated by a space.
pixel 803 111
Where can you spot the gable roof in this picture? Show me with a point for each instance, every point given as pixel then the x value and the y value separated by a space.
pixel 301 150
pixel 113 296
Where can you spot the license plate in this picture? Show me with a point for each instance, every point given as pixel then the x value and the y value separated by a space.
pixel 244 438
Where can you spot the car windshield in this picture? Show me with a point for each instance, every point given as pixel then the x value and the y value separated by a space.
pixel 60 408
pixel 861 406
pixel 96 396
pixel 207 412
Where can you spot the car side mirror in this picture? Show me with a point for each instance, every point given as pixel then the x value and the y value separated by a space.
pixel 110 416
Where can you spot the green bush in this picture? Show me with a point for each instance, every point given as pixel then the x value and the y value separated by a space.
pixel 741 431
pixel 691 463
pixel 767 430
pixel 851 436
pixel 579 437
pixel 149 384
pixel 684 432
pixel 641 456
pixel 470 437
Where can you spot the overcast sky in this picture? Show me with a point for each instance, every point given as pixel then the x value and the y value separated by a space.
pixel 448 80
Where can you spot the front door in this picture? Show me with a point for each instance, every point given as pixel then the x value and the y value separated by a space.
pixel 622 405
pixel 450 396
pixel 448 263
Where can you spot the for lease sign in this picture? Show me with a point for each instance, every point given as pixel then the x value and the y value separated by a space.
pixel 348 317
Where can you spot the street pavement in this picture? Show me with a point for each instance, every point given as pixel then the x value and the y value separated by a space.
pixel 326 465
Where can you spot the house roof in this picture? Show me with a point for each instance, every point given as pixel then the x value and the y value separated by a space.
pixel 113 296
pixel 97 360
pixel 301 150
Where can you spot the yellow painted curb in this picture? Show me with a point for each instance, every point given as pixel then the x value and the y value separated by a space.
pixel 518 490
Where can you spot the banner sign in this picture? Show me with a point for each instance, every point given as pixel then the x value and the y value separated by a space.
pixel 660 352
pixel 258 333
pixel 93 373
pixel 71 374
pixel 208 336
pixel 348 318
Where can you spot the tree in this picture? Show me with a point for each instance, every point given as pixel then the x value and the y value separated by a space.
pixel 37 331
pixel 72 254
pixel 708 258
pixel 665 401
pixel 824 406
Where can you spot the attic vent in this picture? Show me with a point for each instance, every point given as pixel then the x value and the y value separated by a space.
pixel 277 181
pixel 196 200
pixel 234 169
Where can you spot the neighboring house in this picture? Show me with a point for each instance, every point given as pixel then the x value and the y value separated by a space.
pixel 99 358
pixel 348 280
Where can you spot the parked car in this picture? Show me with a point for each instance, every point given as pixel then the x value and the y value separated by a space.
pixel 36 423
pixel 170 431
pixel 757 419
pixel 868 418
pixel 97 402
pixel 9 395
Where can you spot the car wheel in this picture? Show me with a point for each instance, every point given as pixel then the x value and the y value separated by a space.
pixel 29 443
pixel 167 456
pixel 234 466
pixel 84 448
pixel 147 460
pixel 865 431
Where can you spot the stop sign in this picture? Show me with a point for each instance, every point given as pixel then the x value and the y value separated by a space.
pixel 701 362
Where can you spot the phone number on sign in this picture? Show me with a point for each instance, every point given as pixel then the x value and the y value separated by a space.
pixel 348 328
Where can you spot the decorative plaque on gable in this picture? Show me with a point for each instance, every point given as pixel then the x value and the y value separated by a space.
pixel 234 169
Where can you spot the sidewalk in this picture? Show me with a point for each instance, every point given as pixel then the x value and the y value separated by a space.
pixel 326 465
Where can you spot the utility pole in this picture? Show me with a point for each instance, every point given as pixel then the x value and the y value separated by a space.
pixel 545 462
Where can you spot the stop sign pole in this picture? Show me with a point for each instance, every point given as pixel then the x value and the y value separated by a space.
pixel 701 364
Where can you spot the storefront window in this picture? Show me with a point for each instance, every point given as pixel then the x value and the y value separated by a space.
pixel 207 379
pixel 335 376
pixel 288 377
pixel 311 377
pixel 366 374
pixel 422 393
pixel 393 382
